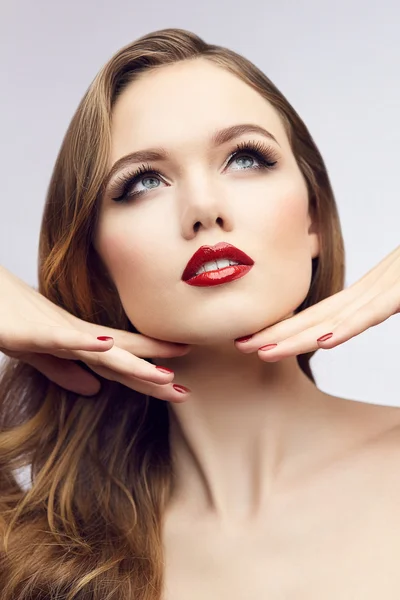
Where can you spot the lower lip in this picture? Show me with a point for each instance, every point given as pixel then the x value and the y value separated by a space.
pixel 220 276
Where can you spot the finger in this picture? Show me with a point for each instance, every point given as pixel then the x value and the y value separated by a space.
pixel 386 266
pixel 350 324
pixel 142 345
pixel 147 347
pixel 373 313
pixel 31 338
pixel 330 310
pixel 122 363
pixel 160 391
pixel 292 325
pixel 65 373
pixel 352 297
pixel 70 376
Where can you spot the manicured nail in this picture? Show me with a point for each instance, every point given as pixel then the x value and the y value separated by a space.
pixel 325 337
pixel 164 369
pixel 104 338
pixel 246 338
pixel 180 388
pixel 268 347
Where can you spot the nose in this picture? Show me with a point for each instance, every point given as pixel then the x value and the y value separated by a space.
pixel 204 209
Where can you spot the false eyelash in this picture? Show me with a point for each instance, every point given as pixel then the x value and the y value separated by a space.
pixel 266 156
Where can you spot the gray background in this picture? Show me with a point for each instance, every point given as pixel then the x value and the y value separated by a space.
pixel 337 63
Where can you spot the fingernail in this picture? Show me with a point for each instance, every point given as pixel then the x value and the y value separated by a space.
pixel 104 338
pixel 325 337
pixel 246 338
pixel 164 369
pixel 268 347
pixel 180 388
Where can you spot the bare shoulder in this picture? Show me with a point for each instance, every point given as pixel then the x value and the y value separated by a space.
pixel 366 411
pixel 367 425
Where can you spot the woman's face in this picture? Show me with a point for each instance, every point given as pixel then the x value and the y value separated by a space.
pixel 201 195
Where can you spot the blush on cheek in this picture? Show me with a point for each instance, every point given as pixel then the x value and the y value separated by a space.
pixel 289 244
pixel 289 221
pixel 118 254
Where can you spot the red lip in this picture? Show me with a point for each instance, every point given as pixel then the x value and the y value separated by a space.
pixel 207 253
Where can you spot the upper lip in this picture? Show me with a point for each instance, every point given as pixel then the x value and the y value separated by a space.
pixel 207 253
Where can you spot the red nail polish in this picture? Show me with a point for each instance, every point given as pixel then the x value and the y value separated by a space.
pixel 164 369
pixel 180 388
pixel 104 338
pixel 268 347
pixel 325 337
pixel 246 338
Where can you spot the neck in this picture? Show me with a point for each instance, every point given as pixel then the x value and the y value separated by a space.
pixel 248 428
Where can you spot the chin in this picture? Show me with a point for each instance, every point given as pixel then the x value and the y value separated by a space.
pixel 210 333
pixel 215 327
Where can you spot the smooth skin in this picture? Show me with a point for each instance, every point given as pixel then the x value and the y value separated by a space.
pixel 281 486
pixel 364 304
pixel 40 333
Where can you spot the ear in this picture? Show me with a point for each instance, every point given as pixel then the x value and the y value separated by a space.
pixel 313 234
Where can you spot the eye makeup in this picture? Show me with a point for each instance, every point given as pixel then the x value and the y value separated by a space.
pixel 121 190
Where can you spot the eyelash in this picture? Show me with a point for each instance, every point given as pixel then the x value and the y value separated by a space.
pixel 266 156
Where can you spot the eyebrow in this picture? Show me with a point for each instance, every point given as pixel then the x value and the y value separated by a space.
pixel 218 138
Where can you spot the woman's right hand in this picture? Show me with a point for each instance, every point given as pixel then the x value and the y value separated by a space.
pixel 46 336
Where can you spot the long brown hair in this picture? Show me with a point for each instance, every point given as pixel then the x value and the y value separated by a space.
pixel 90 525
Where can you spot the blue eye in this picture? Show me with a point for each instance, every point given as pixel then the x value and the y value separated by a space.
pixel 266 157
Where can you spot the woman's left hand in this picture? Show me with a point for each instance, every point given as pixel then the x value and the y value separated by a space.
pixel 368 302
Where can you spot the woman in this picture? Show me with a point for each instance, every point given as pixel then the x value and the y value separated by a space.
pixel 247 480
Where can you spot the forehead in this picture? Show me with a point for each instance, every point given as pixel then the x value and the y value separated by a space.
pixel 186 101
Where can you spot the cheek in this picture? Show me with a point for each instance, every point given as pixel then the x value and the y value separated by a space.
pixel 289 220
pixel 123 251
pixel 136 260
pixel 282 216
pixel 285 252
